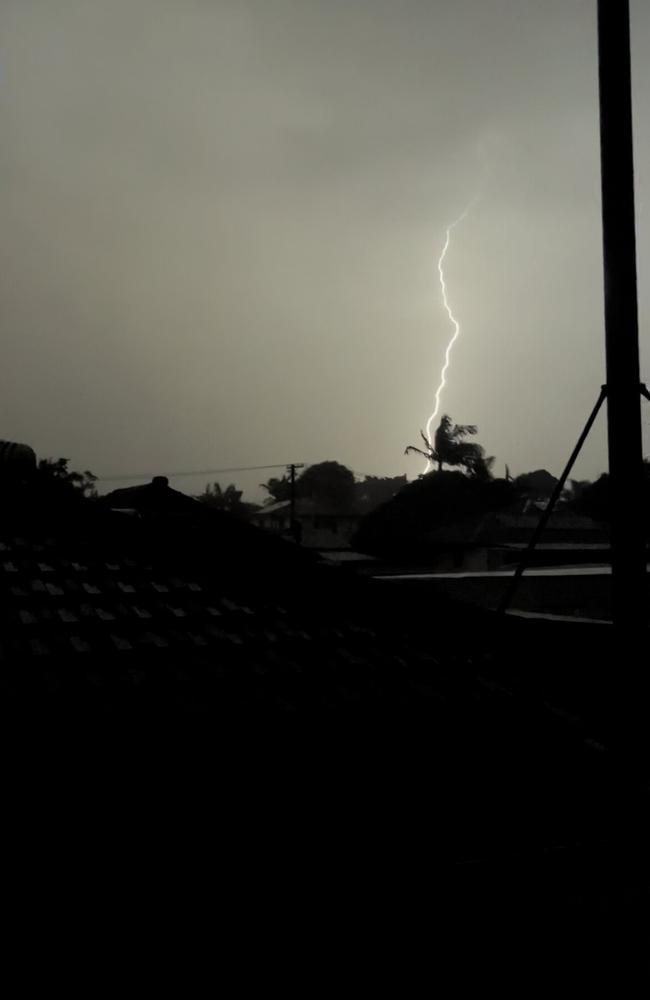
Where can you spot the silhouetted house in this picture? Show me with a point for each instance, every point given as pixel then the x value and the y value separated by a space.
pixel 320 526
pixel 491 541
pixel 470 560
pixel 154 497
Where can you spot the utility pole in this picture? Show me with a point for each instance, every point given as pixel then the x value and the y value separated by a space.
pixel 621 324
pixel 294 527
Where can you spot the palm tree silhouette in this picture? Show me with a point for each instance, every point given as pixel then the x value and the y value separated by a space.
pixel 449 448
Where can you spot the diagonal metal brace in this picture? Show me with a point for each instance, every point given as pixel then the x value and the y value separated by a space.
pixel 524 562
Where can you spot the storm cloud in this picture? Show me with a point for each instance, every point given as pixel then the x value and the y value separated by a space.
pixel 221 221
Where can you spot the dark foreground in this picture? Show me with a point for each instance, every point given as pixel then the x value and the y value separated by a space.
pixel 312 777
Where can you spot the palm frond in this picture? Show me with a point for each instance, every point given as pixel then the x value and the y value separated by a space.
pixel 462 430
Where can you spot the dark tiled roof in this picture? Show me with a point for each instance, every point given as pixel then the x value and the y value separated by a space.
pixel 154 496
pixel 208 624
pixel 99 607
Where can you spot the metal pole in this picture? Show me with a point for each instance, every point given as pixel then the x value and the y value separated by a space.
pixel 548 510
pixel 292 480
pixel 294 527
pixel 621 330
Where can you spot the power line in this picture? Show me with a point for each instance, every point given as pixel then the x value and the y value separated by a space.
pixel 196 472
pixel 214 472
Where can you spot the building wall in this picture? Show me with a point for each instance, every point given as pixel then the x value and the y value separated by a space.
pixel 319 531
pixel 328 531
pixel 276 524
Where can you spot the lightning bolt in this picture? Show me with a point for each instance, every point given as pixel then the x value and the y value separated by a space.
pixel 452 319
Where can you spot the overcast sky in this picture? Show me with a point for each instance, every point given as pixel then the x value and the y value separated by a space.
pixel 220 222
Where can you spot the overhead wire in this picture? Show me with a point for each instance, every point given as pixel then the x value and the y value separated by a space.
pixel 196 472
pixel 214 472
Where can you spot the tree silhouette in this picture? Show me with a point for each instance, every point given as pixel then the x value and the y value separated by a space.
pixel 278 489
pixel 56 470
pixel 402 526
pixel 228 500
pixel 372 491
pixel 327 483
pixel 449 448
pixel 536 485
